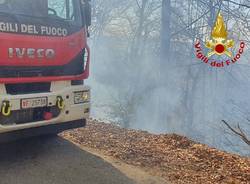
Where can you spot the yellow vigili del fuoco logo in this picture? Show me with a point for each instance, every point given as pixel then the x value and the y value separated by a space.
pixel 219 44
pixel 219 47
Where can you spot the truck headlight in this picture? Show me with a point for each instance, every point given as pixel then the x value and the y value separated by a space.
pixel 81 97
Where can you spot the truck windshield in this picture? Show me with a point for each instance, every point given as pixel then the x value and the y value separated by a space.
pixel 68 10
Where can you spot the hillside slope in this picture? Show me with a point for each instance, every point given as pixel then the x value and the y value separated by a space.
pixel 173 157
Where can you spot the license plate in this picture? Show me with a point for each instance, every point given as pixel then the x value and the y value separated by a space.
pixel 34 102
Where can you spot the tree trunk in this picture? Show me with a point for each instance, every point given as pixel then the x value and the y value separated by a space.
pixel 165 32
pixel 212 14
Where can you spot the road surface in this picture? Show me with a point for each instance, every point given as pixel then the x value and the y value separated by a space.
pixel 54 161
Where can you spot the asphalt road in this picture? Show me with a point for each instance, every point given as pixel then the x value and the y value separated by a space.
pixel 54 161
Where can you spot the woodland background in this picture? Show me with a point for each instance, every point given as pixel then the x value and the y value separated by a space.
pixel 145 74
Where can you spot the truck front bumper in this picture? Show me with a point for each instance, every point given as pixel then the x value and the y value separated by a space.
pixel 47 130
pixel 71 114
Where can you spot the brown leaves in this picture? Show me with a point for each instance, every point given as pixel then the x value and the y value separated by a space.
pixel 174 157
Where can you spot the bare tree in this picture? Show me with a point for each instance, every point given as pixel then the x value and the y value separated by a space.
pixel 137 34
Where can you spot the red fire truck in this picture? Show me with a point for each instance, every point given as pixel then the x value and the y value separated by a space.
pixel 44 60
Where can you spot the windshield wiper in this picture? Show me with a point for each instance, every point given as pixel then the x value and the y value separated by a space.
pixel 57 18
pixel 10 15
pixel 51 17
pixel 14 15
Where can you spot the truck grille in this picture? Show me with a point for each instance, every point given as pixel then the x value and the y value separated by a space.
pixel 19 89
pixel 75 67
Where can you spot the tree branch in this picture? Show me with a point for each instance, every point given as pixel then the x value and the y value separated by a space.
pixel 239 4
pixel 238 132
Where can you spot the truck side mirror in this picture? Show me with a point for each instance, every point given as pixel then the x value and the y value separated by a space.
pixel 86 12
